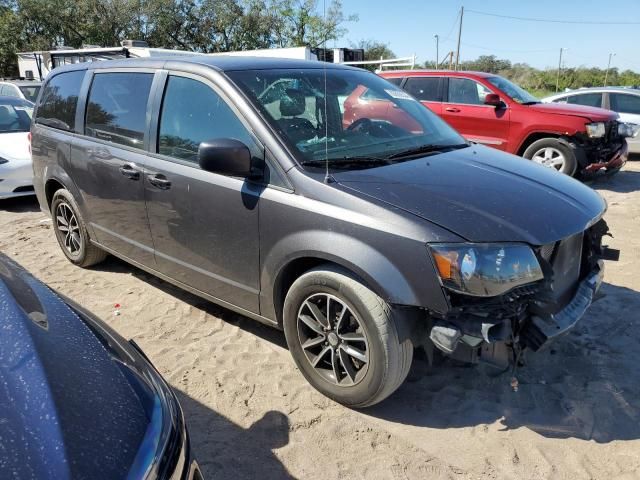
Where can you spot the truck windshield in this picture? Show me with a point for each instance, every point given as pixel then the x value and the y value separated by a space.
pixel 349 119
pixel 518 94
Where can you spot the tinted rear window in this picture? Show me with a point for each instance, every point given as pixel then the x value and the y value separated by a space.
pixel 425 89
pixel 30 92
pixel 586 99
pixel 57 107
pixel 117 107
pixel 623 103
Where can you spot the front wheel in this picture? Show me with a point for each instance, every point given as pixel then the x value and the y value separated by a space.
pixel 344 338
pixel 552 153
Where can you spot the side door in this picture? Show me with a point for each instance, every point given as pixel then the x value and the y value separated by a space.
pixel 428 90
pixel 107 160
pixel 204 225
pixel 464 110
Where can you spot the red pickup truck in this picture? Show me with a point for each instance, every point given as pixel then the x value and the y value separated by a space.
pixel 491 110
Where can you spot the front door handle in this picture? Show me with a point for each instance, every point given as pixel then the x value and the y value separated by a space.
pixel 129 172
pixel 160 181
pixel 452 109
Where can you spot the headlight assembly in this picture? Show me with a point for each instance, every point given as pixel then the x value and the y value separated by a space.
pixel 485 270
pixel 629 130
pixel 595 130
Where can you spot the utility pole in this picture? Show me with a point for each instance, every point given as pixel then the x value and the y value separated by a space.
pixel 559 67
pixel 606 74
pixel 437 52
pixel 451 60
pixel 459 35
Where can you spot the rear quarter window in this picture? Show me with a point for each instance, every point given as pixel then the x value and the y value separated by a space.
pixel 57 107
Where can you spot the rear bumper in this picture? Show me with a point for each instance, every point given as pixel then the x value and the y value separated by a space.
pixel 543 329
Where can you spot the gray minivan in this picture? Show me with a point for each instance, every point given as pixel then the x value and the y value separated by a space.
pixel 240 180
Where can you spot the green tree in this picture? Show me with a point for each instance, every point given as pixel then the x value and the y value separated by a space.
pixel 374 50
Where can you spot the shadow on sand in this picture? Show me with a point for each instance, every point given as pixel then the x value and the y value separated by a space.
pixel 586 385
pixel 20 204
pixel 226 450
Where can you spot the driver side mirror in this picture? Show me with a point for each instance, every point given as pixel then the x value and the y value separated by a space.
pixel 493 99
pixel 225 156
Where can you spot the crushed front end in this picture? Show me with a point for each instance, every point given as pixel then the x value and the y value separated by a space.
pixel 497 329
pixel 599 154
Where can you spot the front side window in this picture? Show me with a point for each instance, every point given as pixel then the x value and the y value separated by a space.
pixel 321 115
pixel 15 115
pixel 193 113
pixel 466 91
pixel 57 107
pixel 624 103
pixel 117 107
pixel 395 80
pixel 515 92
pixel 425 89
pixel 587 99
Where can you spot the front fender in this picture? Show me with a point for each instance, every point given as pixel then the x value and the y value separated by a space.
pixel 377 270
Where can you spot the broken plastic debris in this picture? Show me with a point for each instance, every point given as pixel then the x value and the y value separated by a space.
pixel 116 312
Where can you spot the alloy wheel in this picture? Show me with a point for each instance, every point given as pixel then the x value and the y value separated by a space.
pixel 333 340
pixel 549 157
pixel 67 225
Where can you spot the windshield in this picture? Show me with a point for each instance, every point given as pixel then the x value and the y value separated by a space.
pixel 517 93
pixel 15 116
pixel 361 120
pixel 30 92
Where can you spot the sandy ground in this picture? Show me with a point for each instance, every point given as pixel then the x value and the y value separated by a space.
pixel 252 415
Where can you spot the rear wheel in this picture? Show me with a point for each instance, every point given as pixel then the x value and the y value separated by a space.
pixel 344 338
pixel 71 231
pixel 552 153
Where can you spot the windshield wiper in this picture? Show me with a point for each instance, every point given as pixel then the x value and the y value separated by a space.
pixel 533 102
pixel 363 161
pixel 426 149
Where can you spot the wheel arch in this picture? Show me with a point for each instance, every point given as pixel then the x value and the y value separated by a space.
pixel 534 137
pixel 370 266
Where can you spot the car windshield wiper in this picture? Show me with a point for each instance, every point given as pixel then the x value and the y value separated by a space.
pixel 426 149
pixel 362 161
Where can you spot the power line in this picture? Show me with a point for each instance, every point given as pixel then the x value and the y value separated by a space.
pixel 453 25
pixel 545 20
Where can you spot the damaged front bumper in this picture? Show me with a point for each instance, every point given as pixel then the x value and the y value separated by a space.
pixel 496 330
pixel 543 328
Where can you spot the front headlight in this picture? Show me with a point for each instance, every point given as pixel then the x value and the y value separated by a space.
pixel 595 130
pixel 628 130
pixel 483 269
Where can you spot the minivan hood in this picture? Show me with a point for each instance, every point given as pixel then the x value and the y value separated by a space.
pixel 591 113
pixel 483 195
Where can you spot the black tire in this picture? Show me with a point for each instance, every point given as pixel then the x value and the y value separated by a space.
pixel 569 162
pixel 389 359
pixel 77 247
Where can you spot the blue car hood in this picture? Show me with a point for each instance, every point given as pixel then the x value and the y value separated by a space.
pixel 483 195
pixel 67 409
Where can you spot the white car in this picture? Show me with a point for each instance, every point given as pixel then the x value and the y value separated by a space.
pixel 625 101
pixel 16 171
pixel 25 89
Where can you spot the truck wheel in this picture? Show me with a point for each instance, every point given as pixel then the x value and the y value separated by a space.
pixel 344 338
pixel 71 231
pixel 551 153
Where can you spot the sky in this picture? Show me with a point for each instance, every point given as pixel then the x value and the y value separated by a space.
pixel 408 27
